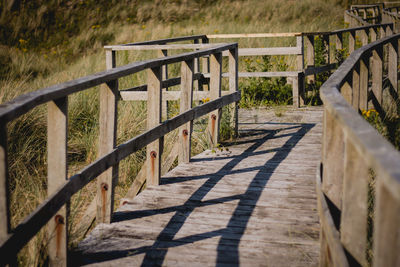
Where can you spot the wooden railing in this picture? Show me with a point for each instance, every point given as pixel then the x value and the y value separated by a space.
pixel 53 211
pixel 304 51
pixel 359 166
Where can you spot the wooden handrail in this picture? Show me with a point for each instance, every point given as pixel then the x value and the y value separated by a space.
pixel 351 148
pixel 26 102
pixel 60 187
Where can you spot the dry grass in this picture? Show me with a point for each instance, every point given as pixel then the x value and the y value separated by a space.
pixel 30 68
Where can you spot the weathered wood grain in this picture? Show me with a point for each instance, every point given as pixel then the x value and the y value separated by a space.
pixel 234 87
pixel 26 102
pixel 186 99
pixel 107 141
pixel 57 120
pixel 214 210
pixel 215 92
pixel 154 101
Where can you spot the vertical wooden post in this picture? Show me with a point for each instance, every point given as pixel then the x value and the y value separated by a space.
pixel 233 87
pixel 352 41
pixel 386 226
pixel 363 95
pixel 215 92
pixel 107 141
pixel 300 78
pixel 310 54
pixel 298 90
pixel 393 63
pixel 356 87
pixel 377 72
pixel 346 90
pixel 353 223
pixel 4 187
pixel 389 30
pixel 382 33
pixel 185 131
pixel 333 159
pixel 364 37
pixel 154 100
pixel 205 64
pixel 325 40
pixel 300 58
pixel 164 105
pixel 197 83
pixel 339 41
pixel 57 120
pixel 373 34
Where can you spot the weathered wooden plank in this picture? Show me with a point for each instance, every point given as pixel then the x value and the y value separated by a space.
pixel 168 96
pixel 107 141
pixel 168 40
pixel 300 58
pixel 333 159
pixel 57 120
pixel 355 87
pixel 364 37
pixel 253 35
pixel 364 73
pixel 347 91
pixel 160 46
pixel 353 223
pixel 234 87
pixel 215 92
pixel 164 71
pixel 386 226
pixel 377 72
pixel 270 51
pixel 332 252
pixel 262 74
pixel 34 222
pixel 393 64
pixel 186 99
pixel 24 103
pixel 310 54
pixel 352 41
pixel 154 150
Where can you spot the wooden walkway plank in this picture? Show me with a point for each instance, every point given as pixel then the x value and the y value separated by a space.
pixel 252 205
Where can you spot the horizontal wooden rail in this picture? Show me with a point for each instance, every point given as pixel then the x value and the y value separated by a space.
pixel 24 103
pixel 252 35
pixel 351 149
pixel 34 222
pixel 169 40
pixel 105 168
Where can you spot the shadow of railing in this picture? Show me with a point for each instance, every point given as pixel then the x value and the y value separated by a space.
pixel 230 236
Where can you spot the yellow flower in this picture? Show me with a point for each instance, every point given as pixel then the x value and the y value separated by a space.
pixel 205 100
pixel 216 31
pixel 22 41
pixel 143 27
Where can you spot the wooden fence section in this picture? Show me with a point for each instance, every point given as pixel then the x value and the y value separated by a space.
pixel 53 210
pixel 304 50
pixel 359 166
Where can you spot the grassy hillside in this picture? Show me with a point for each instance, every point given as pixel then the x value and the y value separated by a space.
pixel 48 42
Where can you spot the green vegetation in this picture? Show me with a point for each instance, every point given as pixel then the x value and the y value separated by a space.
pixel 48 42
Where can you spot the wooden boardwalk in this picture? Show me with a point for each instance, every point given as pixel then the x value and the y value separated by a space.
pixel 254 205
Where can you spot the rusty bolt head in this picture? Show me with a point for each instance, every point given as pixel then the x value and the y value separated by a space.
pixel 59 219
pixel 185 132
pixel 153 154
pixel 213 116
pixel 104 186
